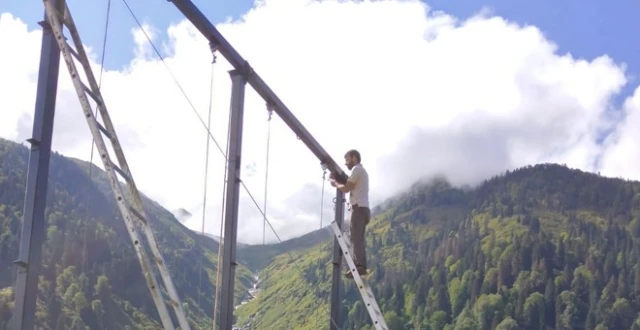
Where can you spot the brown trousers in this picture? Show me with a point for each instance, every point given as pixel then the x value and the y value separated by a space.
pixel 360 217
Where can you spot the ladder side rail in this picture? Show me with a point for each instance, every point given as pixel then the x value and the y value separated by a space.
pixel 108 124
pixel 370 302
pixel 374 302
pixel 367 287
pixel 93 85
pixel 104 114
pixel 53 16
pixel 153 245
pixel 166 278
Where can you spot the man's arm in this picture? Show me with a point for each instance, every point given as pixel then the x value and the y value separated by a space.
pixel 350 184
pixel 345 188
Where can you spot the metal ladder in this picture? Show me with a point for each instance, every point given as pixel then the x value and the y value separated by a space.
pixel 57 22
pixel 365 290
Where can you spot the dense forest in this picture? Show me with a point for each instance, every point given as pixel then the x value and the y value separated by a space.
pixel 540 247
pixel 91 278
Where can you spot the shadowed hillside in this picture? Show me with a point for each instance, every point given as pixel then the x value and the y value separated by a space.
pixel 90 273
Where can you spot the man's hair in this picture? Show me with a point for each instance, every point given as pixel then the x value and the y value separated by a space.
pixel 354 153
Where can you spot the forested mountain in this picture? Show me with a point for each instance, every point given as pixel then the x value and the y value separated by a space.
pixel 258 256
pixel 91 276
pixel 542 247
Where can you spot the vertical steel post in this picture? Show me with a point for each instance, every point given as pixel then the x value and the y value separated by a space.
pixel 32 236
pixel 238 83
pixel 337 265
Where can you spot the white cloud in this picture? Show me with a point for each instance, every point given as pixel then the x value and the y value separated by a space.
pixel 18 72
pixel 417 92
pixel 622 153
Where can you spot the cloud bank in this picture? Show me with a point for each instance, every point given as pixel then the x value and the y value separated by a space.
pixel 418 92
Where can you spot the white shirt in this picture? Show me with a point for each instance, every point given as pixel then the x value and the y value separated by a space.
pixel 359 195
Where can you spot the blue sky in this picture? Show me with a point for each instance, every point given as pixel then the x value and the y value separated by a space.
pixel 585 29
pixel 91 21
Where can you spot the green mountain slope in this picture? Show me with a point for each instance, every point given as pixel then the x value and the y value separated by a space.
pixel 258 256
pixel 542 247
pixel 91 276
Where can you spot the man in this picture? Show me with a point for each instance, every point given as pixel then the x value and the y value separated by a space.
pixel 358 188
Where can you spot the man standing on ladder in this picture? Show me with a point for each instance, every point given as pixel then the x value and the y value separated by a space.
pixel 358 188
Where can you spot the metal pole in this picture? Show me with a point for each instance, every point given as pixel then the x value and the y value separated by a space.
pixel 208 30
pixel 337 265
pixel 32 236
pixel 238 83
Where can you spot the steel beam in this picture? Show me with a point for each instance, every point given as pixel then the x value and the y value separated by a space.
pixel 337 265
pixel 238 83
pixel 33 224
pixel 191 12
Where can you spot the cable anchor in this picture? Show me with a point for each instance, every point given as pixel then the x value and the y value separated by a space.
pixel 324 179
pixel 214 48
pixel 343 200
pixel 270 110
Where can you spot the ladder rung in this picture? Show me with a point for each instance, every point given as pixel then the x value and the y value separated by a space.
pixel 90 93
pixel 75 54
pixel 104 131
pixel 117 169
pixel 87 90
pixel 138 214
pixel 73 51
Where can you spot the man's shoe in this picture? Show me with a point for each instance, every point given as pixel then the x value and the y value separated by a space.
pixel 361 271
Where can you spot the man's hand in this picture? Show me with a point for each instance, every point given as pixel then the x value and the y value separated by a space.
pixel 345 188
